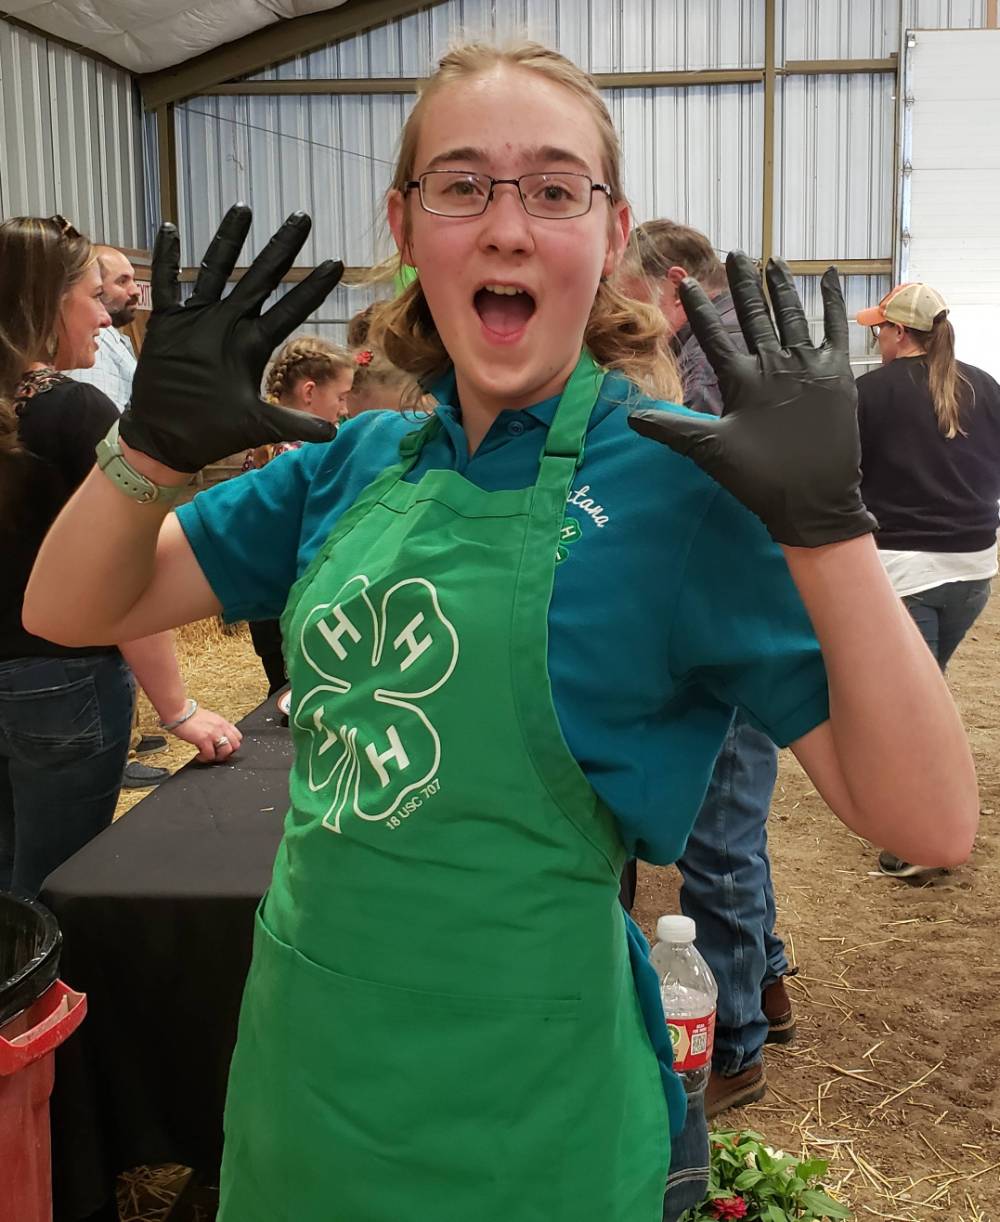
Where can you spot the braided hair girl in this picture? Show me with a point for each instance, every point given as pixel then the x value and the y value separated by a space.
pixel 311 375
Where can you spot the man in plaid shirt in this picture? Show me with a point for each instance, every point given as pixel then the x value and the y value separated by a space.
pixel 114 365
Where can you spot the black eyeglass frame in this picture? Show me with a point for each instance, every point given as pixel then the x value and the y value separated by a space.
pixel 506 182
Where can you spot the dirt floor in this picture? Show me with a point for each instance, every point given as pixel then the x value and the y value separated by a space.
pixel 894 1074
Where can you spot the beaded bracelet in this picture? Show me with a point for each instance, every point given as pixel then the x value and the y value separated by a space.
pixel 192 708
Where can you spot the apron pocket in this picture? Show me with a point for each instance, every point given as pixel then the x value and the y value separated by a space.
pixel 363 1102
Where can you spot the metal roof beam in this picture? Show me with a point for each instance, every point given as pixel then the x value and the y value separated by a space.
pixel 837 67
pixel 605 80
pixel 270 45
pixel 845 267
pixel 410 84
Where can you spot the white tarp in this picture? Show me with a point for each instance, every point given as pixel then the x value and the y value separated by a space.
pixel 144 35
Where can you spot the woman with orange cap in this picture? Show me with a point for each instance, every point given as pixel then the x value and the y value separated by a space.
pixel 930 456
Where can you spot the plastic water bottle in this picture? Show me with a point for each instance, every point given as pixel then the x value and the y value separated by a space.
pixel 689 994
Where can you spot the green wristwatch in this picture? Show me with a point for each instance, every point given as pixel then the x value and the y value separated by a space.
pixel 126 478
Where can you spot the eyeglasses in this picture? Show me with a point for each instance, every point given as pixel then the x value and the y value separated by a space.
pixel 66 230
pixel 875 328
pixel 554 196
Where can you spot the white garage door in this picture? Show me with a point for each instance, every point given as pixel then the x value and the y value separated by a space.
pixel 950 191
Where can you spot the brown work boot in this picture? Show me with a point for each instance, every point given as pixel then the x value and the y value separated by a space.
pixel 777 1007
pixel 747 1086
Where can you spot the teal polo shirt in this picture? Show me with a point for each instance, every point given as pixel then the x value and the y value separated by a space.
pixel 671 605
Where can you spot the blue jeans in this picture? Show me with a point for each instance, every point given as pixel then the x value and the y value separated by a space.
pixel 945 614
pixel 728 892
pixel 65 725
pixel 688 1180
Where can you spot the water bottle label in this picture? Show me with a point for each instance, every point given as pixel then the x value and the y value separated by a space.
pixel 691 1039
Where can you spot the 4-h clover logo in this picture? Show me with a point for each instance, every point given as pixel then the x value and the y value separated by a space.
pixel 377 655
pixel 569 532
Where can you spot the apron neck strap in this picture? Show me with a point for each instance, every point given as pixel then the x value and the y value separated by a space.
pixel 568 430
pixel 413 443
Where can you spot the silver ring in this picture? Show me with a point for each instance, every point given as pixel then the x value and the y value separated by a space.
pixel 222 742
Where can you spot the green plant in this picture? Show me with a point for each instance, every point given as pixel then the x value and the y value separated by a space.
pixel 750 1182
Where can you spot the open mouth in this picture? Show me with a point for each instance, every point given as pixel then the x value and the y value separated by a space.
pixel 504 309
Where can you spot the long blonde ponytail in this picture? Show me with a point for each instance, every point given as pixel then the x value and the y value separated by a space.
pixel 943 375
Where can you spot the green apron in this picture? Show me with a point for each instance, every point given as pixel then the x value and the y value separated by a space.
pixel 440 1022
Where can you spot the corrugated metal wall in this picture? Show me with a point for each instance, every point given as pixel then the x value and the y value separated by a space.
pixel 333 155
pixel 834 167
pixel 834 159
pixel 691 153
pixel 865 29
pixel 70 140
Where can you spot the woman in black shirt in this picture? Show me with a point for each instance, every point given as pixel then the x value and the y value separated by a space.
pixel 930 458
pixel 65 713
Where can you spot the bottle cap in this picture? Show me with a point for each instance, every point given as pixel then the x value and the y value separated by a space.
pixel 675 929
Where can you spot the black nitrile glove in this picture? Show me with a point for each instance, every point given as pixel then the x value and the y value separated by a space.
pixel 196 391
pixel 787 442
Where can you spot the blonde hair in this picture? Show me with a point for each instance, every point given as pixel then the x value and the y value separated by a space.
pixel 306 357
pixel 374 369
pixel 621 333
pixel 944 377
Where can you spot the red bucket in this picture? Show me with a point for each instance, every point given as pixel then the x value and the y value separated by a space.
pixel 27 1070
pixel 37 1013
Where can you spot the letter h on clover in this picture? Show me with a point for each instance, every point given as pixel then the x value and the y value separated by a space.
pixel 375 656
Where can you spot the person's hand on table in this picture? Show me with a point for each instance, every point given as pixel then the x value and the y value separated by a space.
pixel 196 392
pixel 787 442
pixel 215 738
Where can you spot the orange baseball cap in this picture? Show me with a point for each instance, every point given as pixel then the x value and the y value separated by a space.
pixel 911 305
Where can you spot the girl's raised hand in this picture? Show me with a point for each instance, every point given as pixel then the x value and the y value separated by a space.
pixel 787 442
pixel 196 391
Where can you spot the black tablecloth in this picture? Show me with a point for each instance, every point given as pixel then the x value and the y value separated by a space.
pixel 157 919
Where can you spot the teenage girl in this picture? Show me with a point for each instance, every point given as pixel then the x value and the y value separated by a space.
pixel 516 638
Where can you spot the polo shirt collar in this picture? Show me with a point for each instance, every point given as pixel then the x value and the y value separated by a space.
pixel 445 392
pixel 617 393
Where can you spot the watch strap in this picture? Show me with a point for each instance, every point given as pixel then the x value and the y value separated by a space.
pixel 126 478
